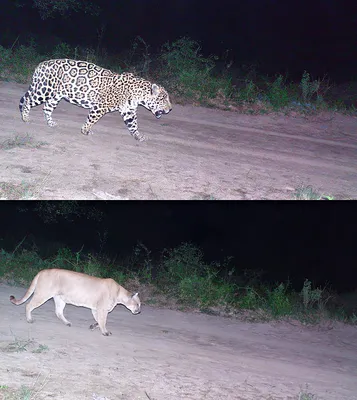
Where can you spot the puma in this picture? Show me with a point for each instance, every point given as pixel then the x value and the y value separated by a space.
pixel 100 295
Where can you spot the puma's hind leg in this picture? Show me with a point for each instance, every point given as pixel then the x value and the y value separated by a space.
pixel 95 325
pixel 35 302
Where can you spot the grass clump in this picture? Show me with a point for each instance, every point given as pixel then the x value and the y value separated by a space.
pixel 21 266
pixel 278 93
pixel 25 392
pixel 188 73
pixel 192 280
pixel 248 93
pixel 18 63
pixel 21 141
pixel 182 261
pixel 274 301
pixel 63 50
pixel 278 301
pixel 205 291
pixel 309 193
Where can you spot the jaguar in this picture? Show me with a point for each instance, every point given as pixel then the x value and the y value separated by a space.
pixel 98 89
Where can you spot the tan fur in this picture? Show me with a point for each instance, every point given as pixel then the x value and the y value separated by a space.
pixel 68 287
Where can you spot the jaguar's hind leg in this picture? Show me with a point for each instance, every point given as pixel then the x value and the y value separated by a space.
pixel 48 109
pixel 26 103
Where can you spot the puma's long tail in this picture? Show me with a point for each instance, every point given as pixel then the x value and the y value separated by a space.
pixel 28 294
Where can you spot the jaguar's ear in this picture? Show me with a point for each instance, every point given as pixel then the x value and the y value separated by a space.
pixel 135 295
pixel 155 89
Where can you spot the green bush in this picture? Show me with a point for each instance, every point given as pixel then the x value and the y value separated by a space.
pixel 19 63
pixel 62 50
pixel 183 261
pixel 308 87
pixel 278 302
pixel 248 94
pixel 192 280
pixel 204 291
pixel 314 298
pixel 118 275
pixel 21 266
pixel 92 266
pixel 66 259
pixel 5 58
pixel 277 93
pixel 184 54
pixel 314 90
pixel 188 73
pixel 250 300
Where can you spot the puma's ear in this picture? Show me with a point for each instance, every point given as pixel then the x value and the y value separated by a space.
pixel 135 295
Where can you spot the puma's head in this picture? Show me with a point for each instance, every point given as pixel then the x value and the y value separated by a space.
pixel 133 303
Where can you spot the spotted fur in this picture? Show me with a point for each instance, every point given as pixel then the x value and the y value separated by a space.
pixel 89 86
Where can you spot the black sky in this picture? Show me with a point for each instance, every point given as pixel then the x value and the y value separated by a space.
pixel 280 36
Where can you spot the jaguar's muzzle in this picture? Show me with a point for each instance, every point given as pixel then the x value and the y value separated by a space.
pixel 160 112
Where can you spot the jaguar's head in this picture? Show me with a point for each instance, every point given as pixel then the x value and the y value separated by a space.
pixel 159 102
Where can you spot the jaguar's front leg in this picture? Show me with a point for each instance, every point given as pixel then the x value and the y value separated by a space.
pixel 95 114
pixel 131 121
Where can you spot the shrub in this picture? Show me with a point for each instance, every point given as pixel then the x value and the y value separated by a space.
pixel 182 262
pixel 250 300
pixel 313 89
pixel 188 73
pixel 277 93
pixel 62 50
pixel 278 301
pixel 185 55
pixel 249 93
pixel 204 291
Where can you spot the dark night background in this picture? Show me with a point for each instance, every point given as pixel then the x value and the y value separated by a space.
pixel 278 35
pixel 295 240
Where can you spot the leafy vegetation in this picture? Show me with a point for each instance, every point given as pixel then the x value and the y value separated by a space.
pixel 183 69
pixel 181 277
pixel 309 193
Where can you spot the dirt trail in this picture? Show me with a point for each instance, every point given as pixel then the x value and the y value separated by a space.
pixel 163 354
pixel 192 153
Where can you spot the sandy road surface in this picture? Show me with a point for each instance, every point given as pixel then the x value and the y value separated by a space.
pixel 191 153
pixel 163 354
